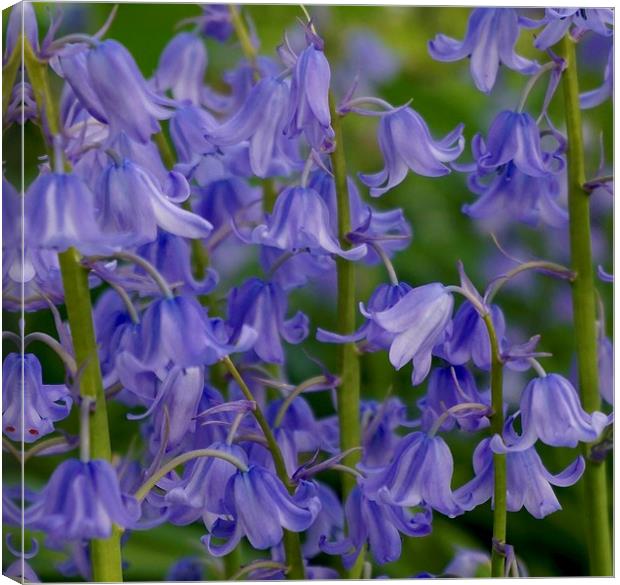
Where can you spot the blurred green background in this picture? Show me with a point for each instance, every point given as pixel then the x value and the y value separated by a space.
pixel 444 95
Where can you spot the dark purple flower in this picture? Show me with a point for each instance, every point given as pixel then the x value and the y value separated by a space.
pixel 516 196
pixel 108 82
pixel 328 523
pixel 577 21
pixel 515 137
pixel 132 205
pixel 373 337
pixel 82 500
pixel 309 105
pixel 186 569
pixel 43 404
pixel 60 212
pixel 262 306
pixel 420 473
pixel 529 482
pixel 551 412
pixel 301 220
pixel 182 67
pixel 490 40
pixel 448 387
pixel 469 338
pixel 178 330
pixel 261 507
pixel 261 121
pixel 204 481
pixel 419 320
pixel 595 97
pixel 390 229
pixel 406 144
pixel 380 525
pixel 172 256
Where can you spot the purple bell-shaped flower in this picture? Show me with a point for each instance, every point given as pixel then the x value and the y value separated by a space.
pixel 406 144
pixel 529 482
pixel 29 407
pixel 418 320
pixel 420 472
pixel 261 507
pixel 378 524
pixel 490 40
pixel 300 220
pixel 551 412
pixel 82 500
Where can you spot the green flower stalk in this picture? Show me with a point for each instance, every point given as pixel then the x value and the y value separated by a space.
pixel 584 311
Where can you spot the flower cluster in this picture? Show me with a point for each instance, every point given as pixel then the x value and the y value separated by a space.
pixel 199 215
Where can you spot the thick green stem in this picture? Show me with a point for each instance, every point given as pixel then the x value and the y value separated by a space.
pixel 105 553
pixel 292 544
pixel 595 503
pixel 499 461
pixel 349 392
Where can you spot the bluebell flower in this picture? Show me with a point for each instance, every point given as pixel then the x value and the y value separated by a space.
pixel 515 137
pixel 419 321
pixel 188 129
pixel 60 212
pixel 166 326
pixel 298 421
pixel 420 473
pixel 171 255
pixel 300 269
pixel 595 97
pixel 21 571
pixel 262 306
pixel 82 500
pixel 515 195
pixel 309 104
pixel 261 121
pixel 529 482
pixel 373 337
pixel 132 206
pixel 406 144
pixel 328 523
pixel 261 507
pixel 379 424
pixel 204 481
pixel 448 387
pixel 182 67
pixel 174 405
pixel 22 106
pixel 43 404
pixel 380 525
pixel 300 220
pixel 577 21
pixel 551 412
pixel 108 82
pixel 469 339
pixel 490 40
pixel 390 229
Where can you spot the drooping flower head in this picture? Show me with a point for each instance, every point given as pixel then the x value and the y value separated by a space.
pixel 529 482
pixel 490 40
pixel 82 500
pixel 406 144
pixel 419 321
pixel 576 21
pixel 43 404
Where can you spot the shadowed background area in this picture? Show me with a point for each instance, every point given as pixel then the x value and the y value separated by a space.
pixel 444 95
